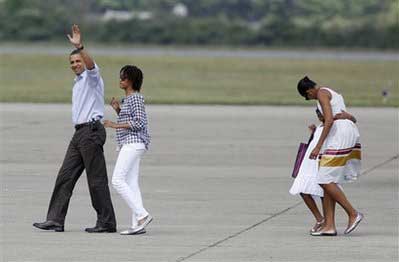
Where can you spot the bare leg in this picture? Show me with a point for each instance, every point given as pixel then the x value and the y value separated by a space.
pixel 311 204
pixel 337 195
pixel 329 213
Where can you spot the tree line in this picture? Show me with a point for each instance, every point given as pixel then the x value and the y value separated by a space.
pixel 302 23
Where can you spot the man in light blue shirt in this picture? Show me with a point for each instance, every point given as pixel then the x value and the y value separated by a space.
pixel 87 96
pixel 85 151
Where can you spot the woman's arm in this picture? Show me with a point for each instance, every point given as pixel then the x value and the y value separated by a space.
pixel 137 109
pixel 324 98
pixel 108 123
pixel 115 105
pixel 345 115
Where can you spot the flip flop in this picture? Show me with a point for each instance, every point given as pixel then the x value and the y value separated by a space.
pixel 317 226
pixel 324 234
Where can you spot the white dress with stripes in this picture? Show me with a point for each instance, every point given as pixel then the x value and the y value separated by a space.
pixel 340 156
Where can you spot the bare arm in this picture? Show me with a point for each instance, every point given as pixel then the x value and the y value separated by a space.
pixel 108 123
pixel 324 99
pixel 345 115
pixel 115 105
pixel 76 40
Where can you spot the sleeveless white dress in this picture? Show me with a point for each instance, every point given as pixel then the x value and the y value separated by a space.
pixel 339 160
pixel 306 180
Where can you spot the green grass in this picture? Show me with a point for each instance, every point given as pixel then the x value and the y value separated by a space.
pixel 203 80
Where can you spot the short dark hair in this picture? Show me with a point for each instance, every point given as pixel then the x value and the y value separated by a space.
pixel 134 74
pixel 75 52
pixel 305 84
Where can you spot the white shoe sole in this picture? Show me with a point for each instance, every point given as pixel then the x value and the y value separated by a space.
pixel 133 232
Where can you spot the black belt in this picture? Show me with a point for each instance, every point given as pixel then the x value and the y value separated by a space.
pixel 91 124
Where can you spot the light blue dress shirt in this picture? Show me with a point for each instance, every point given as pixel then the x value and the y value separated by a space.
pixel 88 97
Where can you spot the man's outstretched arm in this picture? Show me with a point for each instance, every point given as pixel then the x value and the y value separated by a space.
pixel 76 40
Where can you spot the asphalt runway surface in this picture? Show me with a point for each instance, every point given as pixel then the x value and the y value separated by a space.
pixel 216 180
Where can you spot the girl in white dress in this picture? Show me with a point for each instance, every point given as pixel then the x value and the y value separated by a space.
pixel 305 182
pixel 338 150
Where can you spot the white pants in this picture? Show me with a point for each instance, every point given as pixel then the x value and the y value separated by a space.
pixel 125 179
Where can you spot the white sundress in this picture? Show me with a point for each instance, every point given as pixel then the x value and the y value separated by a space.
pixel 340 155
pixel 306 180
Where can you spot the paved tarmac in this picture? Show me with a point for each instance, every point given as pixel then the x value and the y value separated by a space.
pixel 216 180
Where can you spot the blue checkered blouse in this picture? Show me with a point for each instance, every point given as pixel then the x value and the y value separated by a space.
pixel 133 112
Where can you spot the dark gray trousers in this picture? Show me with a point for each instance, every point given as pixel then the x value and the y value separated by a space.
pixel 85 151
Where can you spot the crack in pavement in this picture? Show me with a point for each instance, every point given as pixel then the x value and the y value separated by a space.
pixel 214 244
pixel 237 233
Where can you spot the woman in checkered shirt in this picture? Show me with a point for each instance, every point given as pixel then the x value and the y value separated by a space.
pixel 133 139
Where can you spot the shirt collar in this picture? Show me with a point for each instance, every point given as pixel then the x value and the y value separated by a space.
pixel 78 77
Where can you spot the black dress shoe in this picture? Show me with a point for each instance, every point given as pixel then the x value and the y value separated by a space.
pixel 50 225
pixel 100 229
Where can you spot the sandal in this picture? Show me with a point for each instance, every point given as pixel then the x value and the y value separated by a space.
pixel 317 226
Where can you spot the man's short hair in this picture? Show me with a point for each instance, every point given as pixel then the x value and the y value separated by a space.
pixel 75 52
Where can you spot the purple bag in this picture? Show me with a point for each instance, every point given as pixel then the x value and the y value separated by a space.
pixel 300 155
pixel 299 158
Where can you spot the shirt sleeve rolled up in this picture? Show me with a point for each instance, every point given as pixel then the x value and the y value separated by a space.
pixel 94 76
pixel 137 110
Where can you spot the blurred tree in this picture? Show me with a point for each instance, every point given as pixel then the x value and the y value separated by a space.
pixel 357 23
